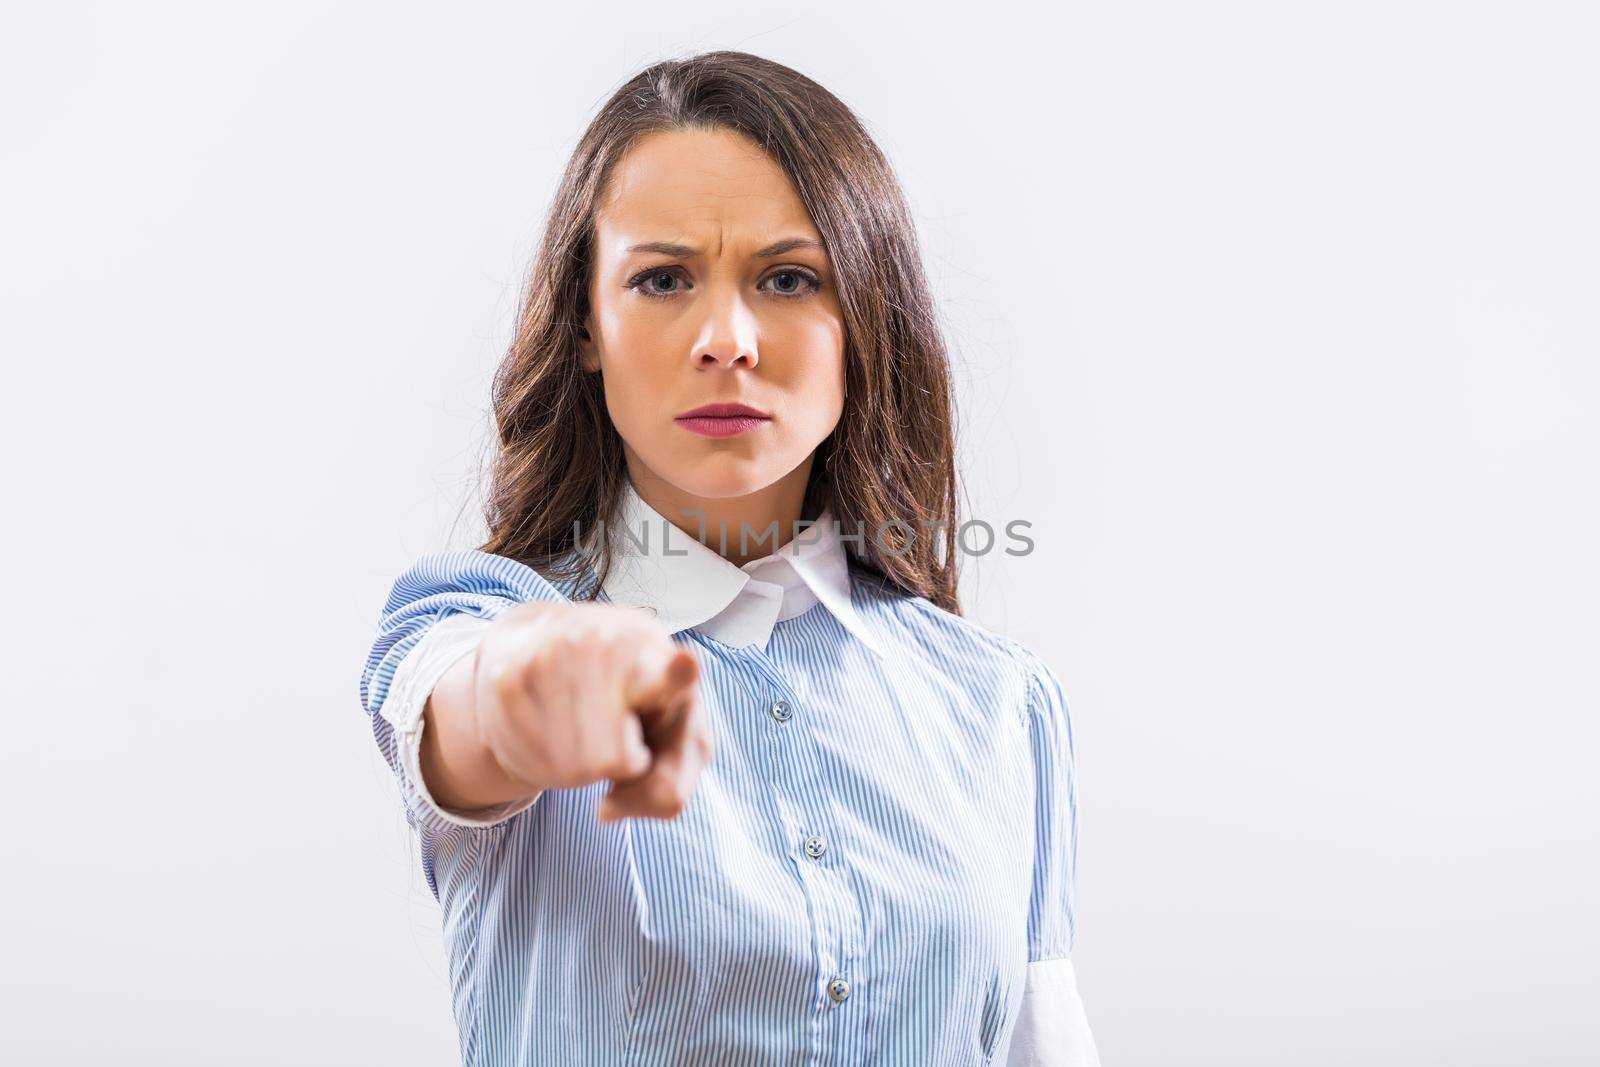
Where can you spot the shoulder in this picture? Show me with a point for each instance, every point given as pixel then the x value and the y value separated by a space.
pixel 469 580
pixel 948 640
pixel 440 586
pixel 1044 684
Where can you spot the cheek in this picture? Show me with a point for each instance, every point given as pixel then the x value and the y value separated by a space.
pixel 637 370
pixel 819 370
pixel 628 390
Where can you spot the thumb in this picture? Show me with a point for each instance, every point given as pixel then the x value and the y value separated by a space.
pixel 636 754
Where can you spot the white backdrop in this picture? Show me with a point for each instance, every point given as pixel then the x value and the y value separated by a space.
pixel 1277 321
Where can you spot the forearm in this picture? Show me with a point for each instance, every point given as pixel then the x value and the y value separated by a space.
pixel 459 769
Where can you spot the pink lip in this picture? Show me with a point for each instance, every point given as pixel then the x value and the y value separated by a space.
pixel 722 420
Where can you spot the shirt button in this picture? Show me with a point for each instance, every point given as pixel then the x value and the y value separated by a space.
pixel 838 989
pixel 782 711
pixel 815 846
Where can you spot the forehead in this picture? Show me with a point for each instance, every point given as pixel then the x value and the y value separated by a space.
pixel 698 184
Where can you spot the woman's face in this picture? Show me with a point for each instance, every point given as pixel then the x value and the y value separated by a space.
pixel 737 313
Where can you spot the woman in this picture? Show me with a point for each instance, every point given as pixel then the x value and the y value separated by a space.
pixel 705 763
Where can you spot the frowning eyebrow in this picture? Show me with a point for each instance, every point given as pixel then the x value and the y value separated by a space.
pixel 677 251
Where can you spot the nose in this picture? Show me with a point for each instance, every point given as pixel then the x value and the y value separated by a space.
pixel 723 356
pixel 729 335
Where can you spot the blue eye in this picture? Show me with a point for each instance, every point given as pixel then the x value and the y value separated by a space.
pixel 803 277
pixel 805 283
pixel 650 276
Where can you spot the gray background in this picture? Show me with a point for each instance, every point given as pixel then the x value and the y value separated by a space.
pixel 1276 320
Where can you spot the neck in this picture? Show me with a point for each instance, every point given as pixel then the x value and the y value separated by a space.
pixel 767 516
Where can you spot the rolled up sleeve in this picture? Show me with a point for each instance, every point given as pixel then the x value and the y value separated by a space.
pixel 436 613
pixel 442 646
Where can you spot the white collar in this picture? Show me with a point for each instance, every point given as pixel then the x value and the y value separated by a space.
pixel 689 586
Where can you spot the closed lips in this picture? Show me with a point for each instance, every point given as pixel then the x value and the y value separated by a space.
pixel 725 411
pixel 723 420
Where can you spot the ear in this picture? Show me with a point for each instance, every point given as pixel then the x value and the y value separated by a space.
pixel 588 352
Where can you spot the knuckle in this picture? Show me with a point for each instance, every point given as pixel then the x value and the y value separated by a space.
pixel 557 642
pixel 505 683
pixel 550 656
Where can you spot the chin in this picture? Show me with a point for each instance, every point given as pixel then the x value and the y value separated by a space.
pixel 722 477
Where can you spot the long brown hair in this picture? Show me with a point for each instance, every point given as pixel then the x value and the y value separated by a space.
pixel 888 469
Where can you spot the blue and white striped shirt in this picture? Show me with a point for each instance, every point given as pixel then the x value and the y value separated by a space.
pixel 876 867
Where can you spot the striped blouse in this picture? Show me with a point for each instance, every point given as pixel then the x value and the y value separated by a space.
pixel 876 867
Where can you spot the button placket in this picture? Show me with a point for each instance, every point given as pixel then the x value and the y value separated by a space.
pixel 792 752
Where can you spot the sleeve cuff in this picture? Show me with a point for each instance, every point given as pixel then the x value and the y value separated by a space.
pixel 414 680
pixel 1052 1029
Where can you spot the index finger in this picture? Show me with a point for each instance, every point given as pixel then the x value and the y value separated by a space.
pixel 682 746
pixel 664 690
